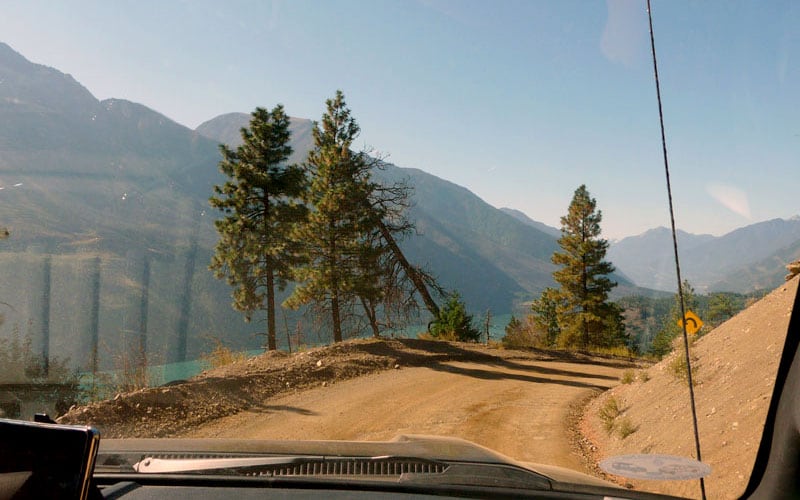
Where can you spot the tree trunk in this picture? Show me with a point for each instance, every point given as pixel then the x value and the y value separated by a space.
pixel 410 270
pixel 337 324
pixel 373 318
pixel 271 342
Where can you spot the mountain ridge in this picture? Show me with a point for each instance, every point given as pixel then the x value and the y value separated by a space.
pixel 711 263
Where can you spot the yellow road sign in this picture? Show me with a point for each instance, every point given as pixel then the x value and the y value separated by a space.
pixel 693 323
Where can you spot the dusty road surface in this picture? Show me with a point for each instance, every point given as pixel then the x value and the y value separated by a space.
pixel 518 407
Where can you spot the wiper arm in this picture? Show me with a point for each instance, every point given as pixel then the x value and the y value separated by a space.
pixel 151 465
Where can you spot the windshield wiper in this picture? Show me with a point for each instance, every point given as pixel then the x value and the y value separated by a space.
pixel 153 465
pixel 406 470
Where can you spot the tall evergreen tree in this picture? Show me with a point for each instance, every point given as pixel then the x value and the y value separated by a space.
pixel 584 313
pixel 342 262
pixel 260 207
pixel 544 311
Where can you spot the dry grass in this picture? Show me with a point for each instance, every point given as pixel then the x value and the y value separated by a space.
pixel 626 428
pixel 628 377
pixel 608 413
pixel 221 355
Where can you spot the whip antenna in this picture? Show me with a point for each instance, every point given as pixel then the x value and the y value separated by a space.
pixel 675 248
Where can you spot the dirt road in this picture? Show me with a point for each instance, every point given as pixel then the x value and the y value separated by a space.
pixel 517 407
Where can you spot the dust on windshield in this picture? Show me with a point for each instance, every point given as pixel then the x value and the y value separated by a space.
pixel 454 213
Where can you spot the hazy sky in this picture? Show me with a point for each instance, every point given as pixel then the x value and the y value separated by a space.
pixel 519 101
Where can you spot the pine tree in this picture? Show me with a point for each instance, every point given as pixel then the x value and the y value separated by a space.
pixel 453 322
pixel 342 263
pixel 584 312
pixel 544 311
pixel 260 208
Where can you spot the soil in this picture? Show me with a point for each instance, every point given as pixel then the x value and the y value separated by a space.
pixel 734 368
pixel 533 406
pixel 516 402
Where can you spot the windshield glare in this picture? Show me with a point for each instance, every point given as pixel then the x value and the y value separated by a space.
pixel 357 220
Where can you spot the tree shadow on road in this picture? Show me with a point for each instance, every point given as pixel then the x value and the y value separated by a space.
pixel 440 355
pixel 282 408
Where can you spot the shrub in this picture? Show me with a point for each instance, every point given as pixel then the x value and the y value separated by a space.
pixel 677 367
pixel 453 322
pixel 608 413
pixel 644 375
pixel 626 428
pixel 221 355
pixel 627 377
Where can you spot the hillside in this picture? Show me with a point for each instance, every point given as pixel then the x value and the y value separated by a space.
pixel 735 372
pixel 111 231
pixel 746 259
pixel 554 232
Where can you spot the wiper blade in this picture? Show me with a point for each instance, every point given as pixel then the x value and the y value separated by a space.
pixel 153 465
pixel 487 475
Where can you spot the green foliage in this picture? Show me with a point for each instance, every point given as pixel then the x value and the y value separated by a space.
pixel 513 325
pixel 260 208
pixel 723 306
pixel 645 317
pixel 342 265
pixel 545 316
pixel 453 322
pixel 585 316
pixel 670 330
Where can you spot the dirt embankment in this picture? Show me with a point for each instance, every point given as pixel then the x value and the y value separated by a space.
pixel 734 369
pixel 256 383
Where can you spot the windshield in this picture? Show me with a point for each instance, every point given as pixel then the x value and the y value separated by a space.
pixel 355 220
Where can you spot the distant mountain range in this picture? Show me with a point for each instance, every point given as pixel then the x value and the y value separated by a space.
pixel 746 259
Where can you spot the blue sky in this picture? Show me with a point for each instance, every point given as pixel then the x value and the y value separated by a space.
pixel 519 101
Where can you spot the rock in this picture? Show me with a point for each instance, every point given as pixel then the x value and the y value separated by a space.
pixel 396 366
pixel 793 268
pixel 319 363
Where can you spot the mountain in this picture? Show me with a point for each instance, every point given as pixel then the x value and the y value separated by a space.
pixel 106 203
pixel 111 231
pixel 493 259
pixel 648 259
pixel 765 274
pixel 517 214
pixel 740 261
pixel 226 129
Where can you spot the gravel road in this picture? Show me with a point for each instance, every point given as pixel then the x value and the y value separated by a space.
pixel 517 407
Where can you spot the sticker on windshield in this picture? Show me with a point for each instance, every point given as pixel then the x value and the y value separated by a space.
pixel 657 467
